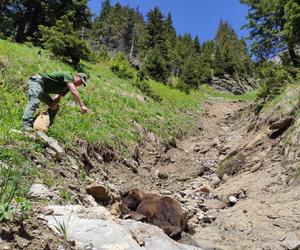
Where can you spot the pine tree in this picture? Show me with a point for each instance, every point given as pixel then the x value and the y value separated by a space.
pixel 171 44
pixel 117 28
pixel 231 55
pixel 197 44
pixel 273 27
pixel 24 16
pixel 63 40
pixel 292 28
pixel 154 48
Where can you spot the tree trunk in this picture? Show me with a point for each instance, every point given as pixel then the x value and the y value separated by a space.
pixel 293 56
pixel 132 47
pixel 23 22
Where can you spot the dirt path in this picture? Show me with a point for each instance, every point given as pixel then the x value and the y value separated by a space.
pixel 252 208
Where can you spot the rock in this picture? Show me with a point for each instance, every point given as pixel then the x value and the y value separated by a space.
pixel 94 228
pixel 215 180
pixel 133 165
pixel 99 192
pixel 206 219
pixel 50 152
pixel 232 200
pixel 166 192
pixel 202 149
pixel 292 244
pixel 205 189
pixel 156 173
pixel 162 175
pixel 225 177
pixel 52 143
pixel 282 124
pixel 236 85
pixel 40 191
pixel 212 213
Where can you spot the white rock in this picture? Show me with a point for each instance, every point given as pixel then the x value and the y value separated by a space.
pixel 232 199
pixel 41 191
pixel 292 244
pixel 95 228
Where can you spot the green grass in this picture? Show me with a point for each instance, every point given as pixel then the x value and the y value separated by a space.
pixel 112 102
pixel 284 103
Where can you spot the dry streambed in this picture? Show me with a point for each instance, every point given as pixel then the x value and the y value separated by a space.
pixel 233 179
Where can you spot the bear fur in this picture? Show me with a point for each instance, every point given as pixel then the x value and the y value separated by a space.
pixel 162 211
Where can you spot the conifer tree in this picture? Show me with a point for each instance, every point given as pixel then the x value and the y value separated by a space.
pixel 292 28
pixel 197 44
pixel 63 40
pixel 171 44
pixel 24 16
pixel 153 46
pixel 273 27
pixel 231 56
pixel 117 28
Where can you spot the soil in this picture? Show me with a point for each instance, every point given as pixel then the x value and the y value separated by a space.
pixel 31 234
pixel 233 179
pixel 266 214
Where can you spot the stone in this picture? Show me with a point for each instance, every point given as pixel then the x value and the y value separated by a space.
pixel 205 189
pixel 225 177
pixel 51 143
pixel 206 219
pixel 215 180
pixel 292 244
pixel 99 192
pixel 236 85
pixel 95 228
pixel 232 200
pixel 40 191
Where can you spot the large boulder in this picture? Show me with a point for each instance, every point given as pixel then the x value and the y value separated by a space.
pixel 95 228
pixel 235 85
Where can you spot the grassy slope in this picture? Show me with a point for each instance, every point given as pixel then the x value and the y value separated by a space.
pixel 113 111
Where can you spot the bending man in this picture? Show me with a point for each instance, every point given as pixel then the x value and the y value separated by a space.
pixel 60 83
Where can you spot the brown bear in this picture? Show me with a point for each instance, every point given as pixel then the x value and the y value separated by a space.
pixel 162 211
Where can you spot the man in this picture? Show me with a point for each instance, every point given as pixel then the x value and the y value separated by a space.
pixel 60 83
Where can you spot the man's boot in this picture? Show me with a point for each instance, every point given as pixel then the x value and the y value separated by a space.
pixel 52 114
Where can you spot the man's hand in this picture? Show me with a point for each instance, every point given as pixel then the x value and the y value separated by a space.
pixel 85 109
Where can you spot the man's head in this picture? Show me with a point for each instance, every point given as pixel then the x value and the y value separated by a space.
pixel 80 78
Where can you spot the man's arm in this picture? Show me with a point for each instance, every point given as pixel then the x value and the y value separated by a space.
pixel 56 99
pixel 77 97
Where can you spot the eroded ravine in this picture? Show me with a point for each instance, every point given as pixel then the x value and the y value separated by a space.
pixel 251 207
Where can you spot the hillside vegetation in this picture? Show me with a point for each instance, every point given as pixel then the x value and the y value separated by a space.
pixel 116 104
pixel 155 123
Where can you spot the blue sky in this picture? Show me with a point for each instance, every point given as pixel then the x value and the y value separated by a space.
pixel 198 17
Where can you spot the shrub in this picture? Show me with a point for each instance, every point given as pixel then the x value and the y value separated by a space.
pixel 121 67
pixel 142 84
pixel 179 84
pixel 275 79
